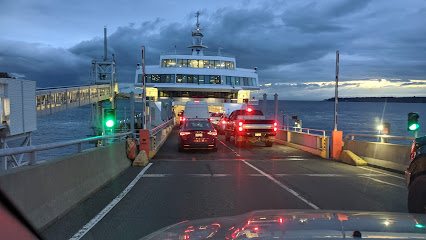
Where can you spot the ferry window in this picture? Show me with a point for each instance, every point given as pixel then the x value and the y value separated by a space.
pixel 222 64
pixel 155 78
pixel 162 78
pixel 211 79
pixel 201 64
pixel 194 63
pixel 232 81
pixel 195 78
pixel 201 80
pixel 139 78
pixel 211 64
pixel 228 80
pixel 184 79
pixel 231 65
pixel 172 78
pixel 237 81
pixel 245 81
pixel 205 63
pixel 179 78
pixel 217 79
pixel 163 62
pixel 171 63
pixel 179 63
pixel 217 63
pixel 189 79
pixel 148 78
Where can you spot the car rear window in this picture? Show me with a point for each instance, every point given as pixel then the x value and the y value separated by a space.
pixel 216 114
pixel 198 125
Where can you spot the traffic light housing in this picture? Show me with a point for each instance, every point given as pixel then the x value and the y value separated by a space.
pixel 109 118
pixel 413 124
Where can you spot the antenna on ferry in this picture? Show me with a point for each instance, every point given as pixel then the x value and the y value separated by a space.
pixel 218 50
pixel 197 38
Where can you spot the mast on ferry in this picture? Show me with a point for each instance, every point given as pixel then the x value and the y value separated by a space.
pixel 197 39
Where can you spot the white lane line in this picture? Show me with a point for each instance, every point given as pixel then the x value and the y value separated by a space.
pixel 86 228
pixel 154 175
pixel 372 170
pixel 384 182
pixel 234 160
pixel 283 186
pixel 237 154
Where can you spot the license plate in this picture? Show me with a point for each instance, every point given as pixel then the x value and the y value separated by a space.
pixel 258 134
pixel 200 140
pixel 198 135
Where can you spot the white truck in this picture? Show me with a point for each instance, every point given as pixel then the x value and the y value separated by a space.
pixel 196 109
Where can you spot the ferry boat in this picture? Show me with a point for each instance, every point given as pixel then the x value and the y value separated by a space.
pixel 198 75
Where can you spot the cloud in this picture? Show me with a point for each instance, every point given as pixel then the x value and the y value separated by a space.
pixel 290 42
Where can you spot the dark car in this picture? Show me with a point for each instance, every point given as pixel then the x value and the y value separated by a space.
pixel 215 118
pixel 197 134
pixel 416 177
pixel 221 125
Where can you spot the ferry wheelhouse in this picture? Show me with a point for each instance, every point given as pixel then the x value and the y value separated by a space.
pixel 199 75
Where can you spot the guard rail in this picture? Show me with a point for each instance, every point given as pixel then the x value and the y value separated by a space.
pixel 31 150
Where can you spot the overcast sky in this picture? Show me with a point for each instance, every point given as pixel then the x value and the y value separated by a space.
pixel 382 43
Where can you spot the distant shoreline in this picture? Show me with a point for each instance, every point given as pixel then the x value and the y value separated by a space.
pixel 381 99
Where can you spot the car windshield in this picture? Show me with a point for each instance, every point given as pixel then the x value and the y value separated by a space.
pixel 121 118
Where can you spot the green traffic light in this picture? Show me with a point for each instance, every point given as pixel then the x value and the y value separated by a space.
pixel 109 123
pixel 419 226
pixel 414 127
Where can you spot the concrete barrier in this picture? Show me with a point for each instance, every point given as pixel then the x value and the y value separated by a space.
pixel 315 144
pixel 387 155
pixel 49 190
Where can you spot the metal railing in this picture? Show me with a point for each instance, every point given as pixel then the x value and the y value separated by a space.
pixel 31 150
pixel 382 137
pixel 155 130
pixel 301 130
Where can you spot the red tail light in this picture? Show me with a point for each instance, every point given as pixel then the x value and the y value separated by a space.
pixel 180 118
pixel 223 122
pixel 240 129
pixel 184 119
pixel 240 124
pixel 211 119
pixel 275 129
pixel 275 124
pixel 213 133
pixel 184 133
pixel 256 228
pixel 281 220
pixel 249 110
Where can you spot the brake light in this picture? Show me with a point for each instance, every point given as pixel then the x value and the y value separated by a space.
pixel 184 133
pixel 211 119
pixel 249 110
pixel 281 220
pixel 240 124
pixel 213 133
pixel 180 118
pixel 184 119
pixel 256 228
pixel 275 129
pixel 223 122
pixel 240 129
pixel 275 124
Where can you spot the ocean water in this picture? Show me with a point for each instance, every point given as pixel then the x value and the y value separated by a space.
pixel 353 117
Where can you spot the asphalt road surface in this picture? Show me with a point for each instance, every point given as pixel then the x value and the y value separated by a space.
pixel 234 180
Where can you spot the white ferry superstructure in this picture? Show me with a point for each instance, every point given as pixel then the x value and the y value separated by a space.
pixel 201 75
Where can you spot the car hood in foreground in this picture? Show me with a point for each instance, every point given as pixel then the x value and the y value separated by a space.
pixel 300 224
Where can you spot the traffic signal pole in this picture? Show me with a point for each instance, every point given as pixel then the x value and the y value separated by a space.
pixel 144 90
